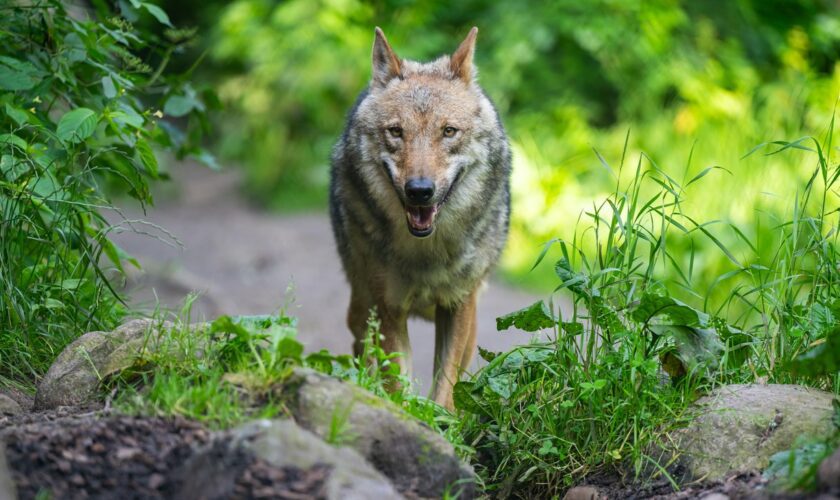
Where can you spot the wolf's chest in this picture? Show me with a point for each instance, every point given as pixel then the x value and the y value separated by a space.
pixel 434 271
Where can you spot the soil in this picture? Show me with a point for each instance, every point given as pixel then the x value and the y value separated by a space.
pixel 738 486
pixel 91 456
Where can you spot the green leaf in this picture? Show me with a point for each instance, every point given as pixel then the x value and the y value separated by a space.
pixel 822 359
pixel 535 317
pixel 154 10
pixel 572 328
pixel 18 115
pixel 487 355
pixel 503 384
pixel 698 349
pixel 17 75
pixel 668 310
pixel 289 347
pixel 74 48
pixel 796 468
pixel 576 282
pixel 180 105
pixel 108 87
pixel 7 140
pixel 127 115
pixel 113 252
pixel 77 125
pixel 465 399
pixel 12 169
pixel 147 157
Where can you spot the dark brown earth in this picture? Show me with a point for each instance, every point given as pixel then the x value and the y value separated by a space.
pixel 89 453
pixel 742 486
pixel 88 456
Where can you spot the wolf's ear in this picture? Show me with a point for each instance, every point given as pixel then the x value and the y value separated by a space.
pixel 386 64
pixel 461 62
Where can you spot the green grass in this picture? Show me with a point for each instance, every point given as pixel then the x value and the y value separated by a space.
pixel 643 340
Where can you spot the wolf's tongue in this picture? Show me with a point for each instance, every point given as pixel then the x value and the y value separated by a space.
pixel 421 217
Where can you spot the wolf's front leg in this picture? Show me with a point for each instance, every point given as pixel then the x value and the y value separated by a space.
pixel 455 337
pixel 393 326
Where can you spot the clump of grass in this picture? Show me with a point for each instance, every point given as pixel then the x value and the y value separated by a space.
pixel 227 371
pixel 636 348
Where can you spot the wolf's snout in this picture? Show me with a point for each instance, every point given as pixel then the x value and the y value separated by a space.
pixel 419 191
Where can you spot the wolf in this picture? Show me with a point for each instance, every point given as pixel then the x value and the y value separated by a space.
pixel 420 203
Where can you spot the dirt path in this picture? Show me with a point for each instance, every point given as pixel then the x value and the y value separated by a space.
pixel 244 260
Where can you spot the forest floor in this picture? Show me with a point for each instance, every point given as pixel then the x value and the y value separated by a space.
pixel 206 236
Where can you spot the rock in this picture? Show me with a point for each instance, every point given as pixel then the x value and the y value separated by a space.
pixel 9 406
pixel 715 496
pixel 75 375
pixel 828 473
pixel 211 472
pixel 283 443
pixel 738 427
pixel 584 493
pixel 417 459
pixel 7 486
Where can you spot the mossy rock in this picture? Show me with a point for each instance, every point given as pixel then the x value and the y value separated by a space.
pixel 419 461
pixel 739 427
pixel 75 376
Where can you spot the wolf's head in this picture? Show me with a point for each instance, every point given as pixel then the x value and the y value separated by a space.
pixel 425 126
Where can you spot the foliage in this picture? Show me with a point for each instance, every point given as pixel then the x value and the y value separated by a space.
pixel 230 370
pixel 80 100
pixel 796 469
pixel 597 395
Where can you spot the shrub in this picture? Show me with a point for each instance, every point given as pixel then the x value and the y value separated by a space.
pixel 82 94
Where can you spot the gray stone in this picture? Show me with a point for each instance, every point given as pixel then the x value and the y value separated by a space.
pixel 417 459
pixel 77 372
pixel 212 471
pixel 584 493
pixel 283 443
pixel 738 427
pixel 9 406
pixel 7 486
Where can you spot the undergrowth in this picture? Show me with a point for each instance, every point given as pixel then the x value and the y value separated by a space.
pixel 82 94
pixel 633 350
pixel 233 369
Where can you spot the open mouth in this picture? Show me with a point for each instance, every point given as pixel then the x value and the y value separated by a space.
pixel 421 219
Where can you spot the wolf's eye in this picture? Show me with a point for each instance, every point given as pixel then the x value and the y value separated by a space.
pixel 450 131
pixel 395 132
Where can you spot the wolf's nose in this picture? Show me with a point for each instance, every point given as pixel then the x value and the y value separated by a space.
pixel 419 190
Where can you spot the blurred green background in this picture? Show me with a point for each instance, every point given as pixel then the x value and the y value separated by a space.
pixel 704 81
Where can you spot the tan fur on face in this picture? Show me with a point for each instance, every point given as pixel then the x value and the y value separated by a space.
pixel 422 106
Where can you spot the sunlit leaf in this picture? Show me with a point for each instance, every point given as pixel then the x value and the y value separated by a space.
pixel 77 125
pixel 535 317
